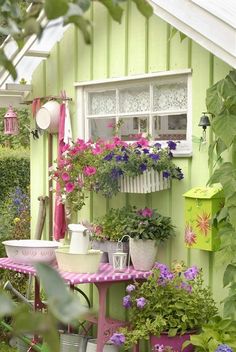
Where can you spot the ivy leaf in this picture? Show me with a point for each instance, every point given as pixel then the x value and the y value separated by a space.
pixel 114 9
pixel 229 274
pixel 214 101
pixel 55 8
pixel 144 7
pixel 83 24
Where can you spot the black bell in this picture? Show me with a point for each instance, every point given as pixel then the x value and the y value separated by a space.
pixel 204 121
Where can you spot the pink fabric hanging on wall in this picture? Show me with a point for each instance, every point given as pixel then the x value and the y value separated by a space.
pixel 59 228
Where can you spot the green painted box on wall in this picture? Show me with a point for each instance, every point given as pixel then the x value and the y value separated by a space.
pixel 201 203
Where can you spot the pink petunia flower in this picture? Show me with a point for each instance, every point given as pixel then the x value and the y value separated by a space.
pixel 111 125
pixel 143 142
pixel 70 187
pixel 147 212
pixel 89 170
pixel 65 176
pixel 97 150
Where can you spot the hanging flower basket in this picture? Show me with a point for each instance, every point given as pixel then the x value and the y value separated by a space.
pixel 149 181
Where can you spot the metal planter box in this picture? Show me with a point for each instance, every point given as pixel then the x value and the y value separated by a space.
pixel 201 203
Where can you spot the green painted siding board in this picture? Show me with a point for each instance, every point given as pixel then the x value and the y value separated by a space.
pixel 157 48
pixel 178 53
pixel 136 42
pixel 52 72
pixel 100 41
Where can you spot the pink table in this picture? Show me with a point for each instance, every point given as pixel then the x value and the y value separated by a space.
pixel 103 279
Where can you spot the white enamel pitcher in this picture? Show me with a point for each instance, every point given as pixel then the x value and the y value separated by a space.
pixel 79 243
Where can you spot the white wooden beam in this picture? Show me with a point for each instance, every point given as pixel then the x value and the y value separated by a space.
pixel 37 53
pixel 18 87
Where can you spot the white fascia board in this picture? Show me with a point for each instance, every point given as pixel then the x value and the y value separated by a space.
pixel 204 28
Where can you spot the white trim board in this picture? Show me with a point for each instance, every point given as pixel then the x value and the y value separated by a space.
pixel 204 27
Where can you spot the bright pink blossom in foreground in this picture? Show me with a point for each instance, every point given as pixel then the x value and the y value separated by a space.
pixel 70 187
pixel 97 150
pixel 143 142
pixel 89 170
pixel 65 176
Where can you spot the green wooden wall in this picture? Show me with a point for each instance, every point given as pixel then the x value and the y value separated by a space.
pixel 136 46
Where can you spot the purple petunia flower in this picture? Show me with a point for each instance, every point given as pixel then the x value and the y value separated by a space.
pixel 154 156
pixel 130 288
pixel 141 302
pixel 146 151
pixel 143 167
pixel 191 273
pixel 109 156
pixel 116 173
pixel 118 339
pixel 171 145
pixel 137 152
pixel 224 348
pixel 165 273
pixel 166 174
pixel 127 301
pixel 180 175
pixel 157 145
pixel 125 157
pixel 119 158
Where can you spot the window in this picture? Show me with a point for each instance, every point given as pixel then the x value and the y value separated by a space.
pixel 158 105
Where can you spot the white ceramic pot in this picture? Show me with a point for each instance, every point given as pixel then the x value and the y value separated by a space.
pixel 143 254
pixel 79 243
pixel 48 116
pixel 109 347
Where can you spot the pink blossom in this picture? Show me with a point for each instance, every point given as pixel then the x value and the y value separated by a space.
pixel 65 176
pixel 65 147
pixel 70 187
pixel 111 125
pixel 109 146
pixel 143 142
pixel 89 170
pixel 97 150
pixel 146 212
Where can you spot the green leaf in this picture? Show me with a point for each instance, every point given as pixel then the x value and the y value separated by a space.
pixel 229 274
pixel 55 8
pixel 7 306
pixel 232 215
pixel 182 36
pixel 31 26
pixel 173 32
pixel 172 332
pixel 7 64
pixel 224 125
pixel 82 24
pixel 214 101
pixel 114 9
pixel 144 7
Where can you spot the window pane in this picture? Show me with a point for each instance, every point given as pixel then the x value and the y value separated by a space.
pixel 132 127
pixel 169 97
pixel 102 103
pixel 134 99
pixel 170 127
pixel 101 128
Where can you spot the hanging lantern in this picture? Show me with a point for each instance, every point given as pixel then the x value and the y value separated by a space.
pixel 11 122
pixel 119 261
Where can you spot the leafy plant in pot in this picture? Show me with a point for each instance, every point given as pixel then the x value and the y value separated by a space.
pixel 145 227
pixel 168 307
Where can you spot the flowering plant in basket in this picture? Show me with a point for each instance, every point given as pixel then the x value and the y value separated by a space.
pixel 143 224
pixel 171 301
pixel 98 166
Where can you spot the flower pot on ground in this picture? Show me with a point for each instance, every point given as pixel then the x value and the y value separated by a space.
pixel 143 253
pixel 175 342
pixel 100 166
pixel 173 301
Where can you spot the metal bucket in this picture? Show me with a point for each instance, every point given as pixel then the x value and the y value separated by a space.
pixel 73 343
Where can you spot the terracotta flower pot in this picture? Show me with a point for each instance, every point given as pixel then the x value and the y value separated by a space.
pixel 175 341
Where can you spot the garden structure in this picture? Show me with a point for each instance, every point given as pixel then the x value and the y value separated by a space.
pixel 139 76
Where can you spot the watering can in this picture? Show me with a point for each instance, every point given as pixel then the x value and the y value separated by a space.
pixel 79 243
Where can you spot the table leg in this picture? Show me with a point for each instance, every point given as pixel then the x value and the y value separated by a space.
pixel 135 348
pixel 101 331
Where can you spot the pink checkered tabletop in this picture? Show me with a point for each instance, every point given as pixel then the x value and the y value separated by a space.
pixel 106 273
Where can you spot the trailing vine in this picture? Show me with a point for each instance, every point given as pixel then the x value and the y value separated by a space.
pixel 221 103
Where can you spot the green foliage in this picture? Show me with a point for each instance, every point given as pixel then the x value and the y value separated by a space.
pixel 139 224
pixel 62 305
pixel 22 140
pixel 172 301
pixel 218 331
pixel 88 166
pixel 221 103
pixel 14 171
pixel 21 24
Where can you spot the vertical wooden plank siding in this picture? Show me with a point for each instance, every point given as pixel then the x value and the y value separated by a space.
pixel 136 46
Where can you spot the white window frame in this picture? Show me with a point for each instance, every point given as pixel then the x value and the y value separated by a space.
pixel 184 148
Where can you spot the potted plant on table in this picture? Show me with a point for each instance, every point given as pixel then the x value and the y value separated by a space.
pixel 144 228
pixel 101 166
pixel 167 308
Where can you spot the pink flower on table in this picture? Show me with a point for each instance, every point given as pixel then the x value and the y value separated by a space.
pixel 89 170
pixel 70 187
pixel 65 176
pixel 146 212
